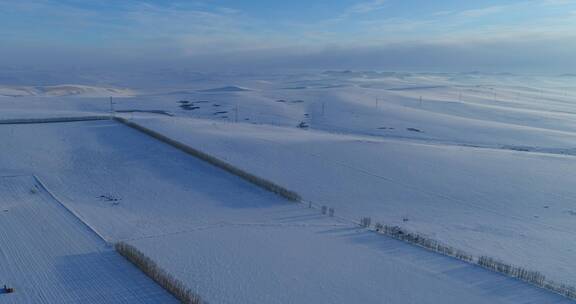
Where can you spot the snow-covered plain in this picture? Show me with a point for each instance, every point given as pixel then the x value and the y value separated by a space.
pixel 230 241
pixel 481 162
pixel 512 205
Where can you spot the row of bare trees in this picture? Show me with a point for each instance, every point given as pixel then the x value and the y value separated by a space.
pixel 531 276
pixel 156 273
pixel 423 241
pixel 256 180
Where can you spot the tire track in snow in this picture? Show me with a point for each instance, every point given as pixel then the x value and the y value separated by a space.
pixel 231 224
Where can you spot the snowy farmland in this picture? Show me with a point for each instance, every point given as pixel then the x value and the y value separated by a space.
pixel 515 206
pixel 489 175
pixel 49 256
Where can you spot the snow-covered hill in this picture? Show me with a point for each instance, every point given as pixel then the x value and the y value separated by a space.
pixel 64 90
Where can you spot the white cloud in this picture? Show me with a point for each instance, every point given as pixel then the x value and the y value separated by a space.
pixel 190 30
pixel 366 7
pixel 558 2
pixel 480 12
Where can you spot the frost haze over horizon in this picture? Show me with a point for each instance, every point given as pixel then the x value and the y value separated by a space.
pixel 515 36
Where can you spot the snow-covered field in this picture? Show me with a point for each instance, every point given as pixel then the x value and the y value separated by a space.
pixel 227 239
pixel 481 162
pixel 515 206
pixel 49 256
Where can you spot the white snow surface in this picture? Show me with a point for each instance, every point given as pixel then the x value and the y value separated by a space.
pixel 228 240
pixel 515 206
pixel 63 90
pixel 49 256
pixel 482 162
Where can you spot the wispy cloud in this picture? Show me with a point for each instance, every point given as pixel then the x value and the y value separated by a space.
pixel 480 12
pixel 201 29
pixel 558 2
pixel 366 7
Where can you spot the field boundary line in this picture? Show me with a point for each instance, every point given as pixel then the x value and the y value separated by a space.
pixel 21 121
pixel 70 211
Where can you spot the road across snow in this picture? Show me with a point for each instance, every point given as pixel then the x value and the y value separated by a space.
pixel 229 240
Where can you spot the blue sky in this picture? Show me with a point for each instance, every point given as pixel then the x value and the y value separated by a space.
pixel 472 33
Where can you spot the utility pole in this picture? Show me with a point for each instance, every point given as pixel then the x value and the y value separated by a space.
pixel 111 105
pixel 420 101
pixel 323 108
pixel 236 113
